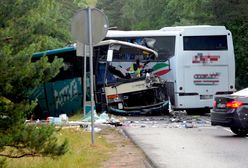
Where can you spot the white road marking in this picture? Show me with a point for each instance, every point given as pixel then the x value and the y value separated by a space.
pixel 227 129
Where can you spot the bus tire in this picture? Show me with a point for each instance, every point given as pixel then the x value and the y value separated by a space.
pixel 199 111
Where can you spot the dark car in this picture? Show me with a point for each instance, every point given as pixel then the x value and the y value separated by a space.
pixel 232 111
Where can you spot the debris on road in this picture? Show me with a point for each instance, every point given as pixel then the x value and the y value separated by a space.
pixel 179 119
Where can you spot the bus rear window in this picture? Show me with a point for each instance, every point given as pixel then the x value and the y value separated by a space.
pixel 205 42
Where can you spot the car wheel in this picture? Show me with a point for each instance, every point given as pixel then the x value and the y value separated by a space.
pixel 239 131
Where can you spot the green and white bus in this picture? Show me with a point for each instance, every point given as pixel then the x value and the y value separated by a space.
pixel 62 94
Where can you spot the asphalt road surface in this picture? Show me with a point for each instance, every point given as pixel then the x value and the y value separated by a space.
pixel 187 142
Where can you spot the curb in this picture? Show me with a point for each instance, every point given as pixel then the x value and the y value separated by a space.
pixel 149 163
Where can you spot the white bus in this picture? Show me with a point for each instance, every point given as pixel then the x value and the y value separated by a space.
pixel 197 62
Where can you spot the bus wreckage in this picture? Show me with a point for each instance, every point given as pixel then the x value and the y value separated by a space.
pixel 124 83
pixel 120 86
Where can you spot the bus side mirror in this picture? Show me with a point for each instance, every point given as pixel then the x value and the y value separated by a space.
pixel 110 55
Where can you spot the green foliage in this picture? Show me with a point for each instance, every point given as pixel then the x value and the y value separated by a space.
pixel 28 26
pixel 32 141
pixel 132 14
pixel 115 16
pixel 3 163
pixel 240 35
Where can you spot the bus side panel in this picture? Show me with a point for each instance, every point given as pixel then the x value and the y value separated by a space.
pixel 171 92
pixel 66 96
pixel 49 99
pixel 171 80
pixel 42 109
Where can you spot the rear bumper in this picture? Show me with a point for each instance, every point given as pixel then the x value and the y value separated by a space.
pixel 192 102
pixel 228 119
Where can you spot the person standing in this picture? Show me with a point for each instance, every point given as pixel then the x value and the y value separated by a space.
pixel 136 69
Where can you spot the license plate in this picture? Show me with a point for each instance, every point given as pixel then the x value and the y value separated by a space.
pixel 220 105
pixel 206 97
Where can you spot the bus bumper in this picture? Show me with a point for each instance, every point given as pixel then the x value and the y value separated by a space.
pixel 159 108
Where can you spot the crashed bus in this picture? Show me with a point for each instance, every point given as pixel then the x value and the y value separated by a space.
pixel 120 90
pixel 64 93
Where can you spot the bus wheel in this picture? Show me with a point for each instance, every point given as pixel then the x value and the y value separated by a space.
pixel 192 111
pixel 165 111
pixel 206 110
pixel 200 111
pixel 100 107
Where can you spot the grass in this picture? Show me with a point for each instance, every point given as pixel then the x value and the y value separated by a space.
pixel 82 154
pixel 77 116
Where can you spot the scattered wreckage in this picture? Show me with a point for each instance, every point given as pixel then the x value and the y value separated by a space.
pixel 124 83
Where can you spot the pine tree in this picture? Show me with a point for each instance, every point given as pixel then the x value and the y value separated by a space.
pixel 27 26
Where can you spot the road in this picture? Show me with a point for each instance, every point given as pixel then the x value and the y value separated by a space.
pixel 190 142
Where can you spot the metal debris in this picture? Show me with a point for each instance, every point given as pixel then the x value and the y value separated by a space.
pixel 177 119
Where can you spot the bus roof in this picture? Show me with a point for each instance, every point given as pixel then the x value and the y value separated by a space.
pixel 182 28
pixel 197 29
pixel 102 43
pixel 53 52
pixel 137 33
pixel 108 42
pixel 171 31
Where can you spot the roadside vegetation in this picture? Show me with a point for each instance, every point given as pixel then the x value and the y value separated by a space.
pixel 81 152
pixel 26 27
pixel 77 116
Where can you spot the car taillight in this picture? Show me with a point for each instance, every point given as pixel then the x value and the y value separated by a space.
pixel 214 103
pixel 234 104
pixel 110 97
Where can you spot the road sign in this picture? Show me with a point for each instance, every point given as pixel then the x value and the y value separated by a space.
pixel 89 27
pixel 82 50
pixel 80 27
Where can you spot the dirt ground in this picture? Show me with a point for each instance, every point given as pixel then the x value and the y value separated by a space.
pixel 126 155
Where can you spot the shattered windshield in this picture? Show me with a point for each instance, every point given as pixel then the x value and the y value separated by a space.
pixel 128 62
pixel 164 45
